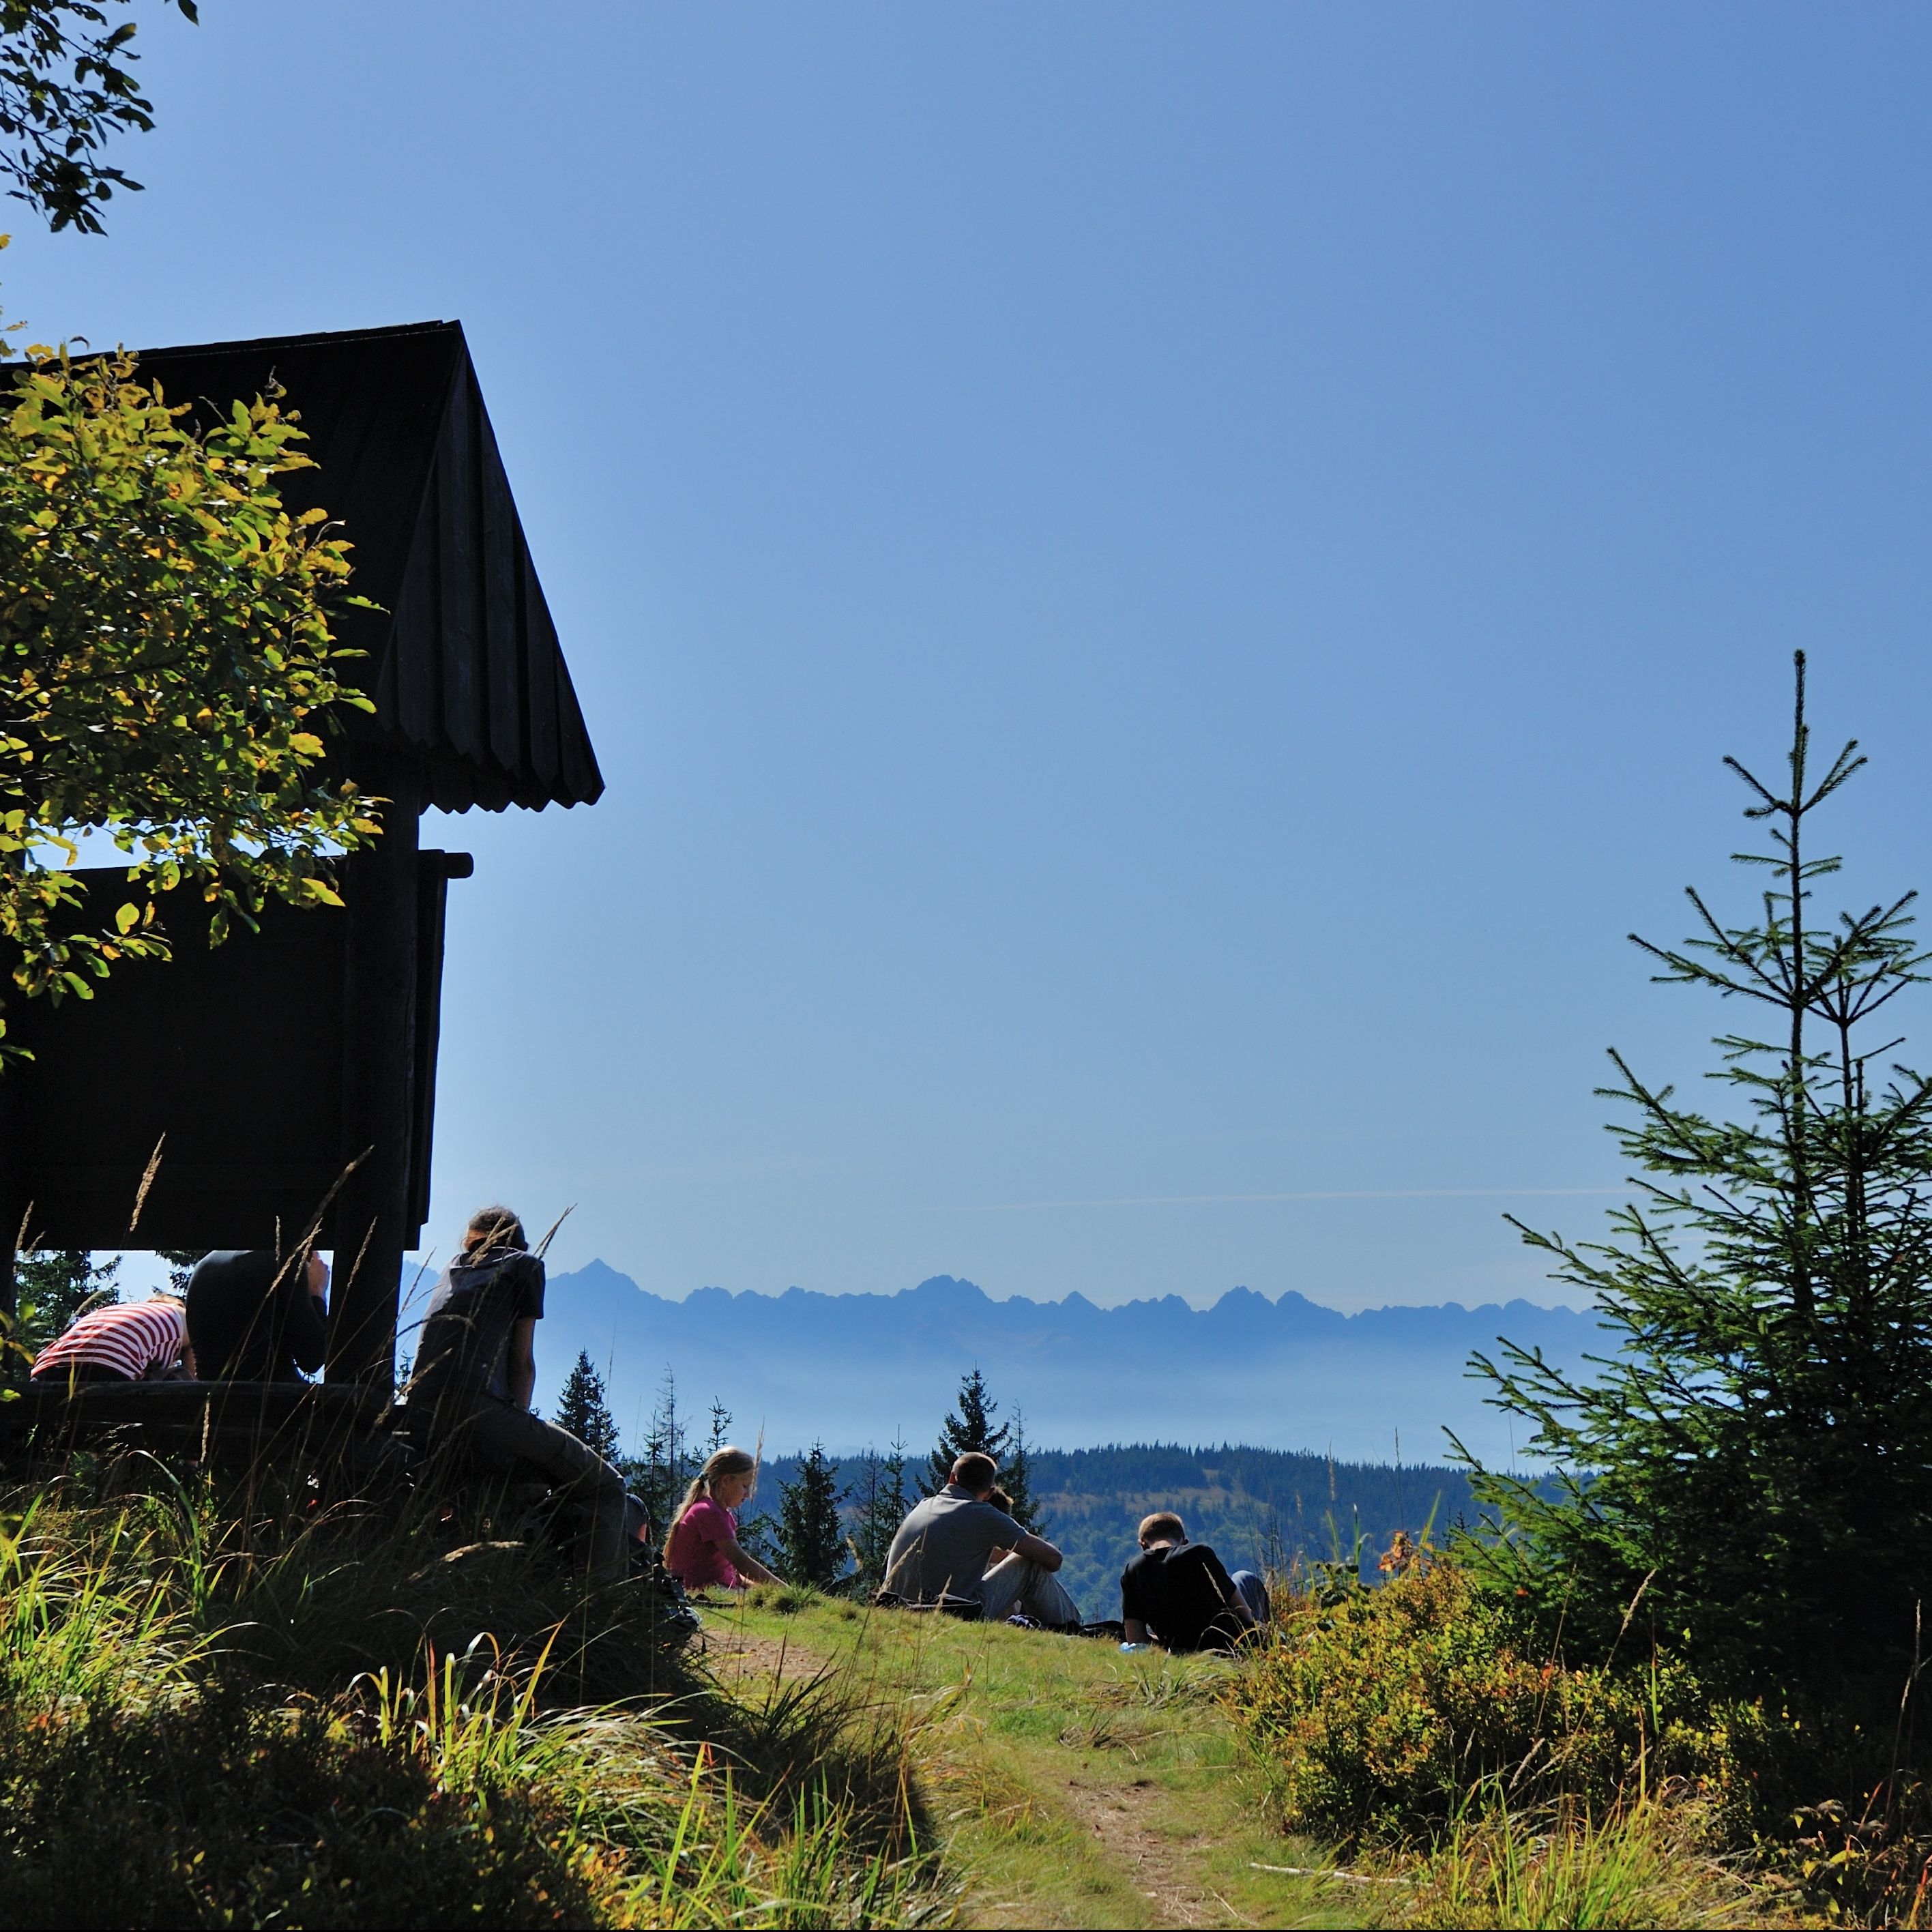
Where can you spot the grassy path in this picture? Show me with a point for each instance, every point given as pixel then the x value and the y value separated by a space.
pixel 1071 1786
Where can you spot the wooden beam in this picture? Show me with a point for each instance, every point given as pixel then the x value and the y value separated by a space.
pixel 378 1059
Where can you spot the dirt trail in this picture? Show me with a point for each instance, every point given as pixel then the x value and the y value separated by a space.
pixel 1120 1817
pixel 1069 1786
pixel 735 1655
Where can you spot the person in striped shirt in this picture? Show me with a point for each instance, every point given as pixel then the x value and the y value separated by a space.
pixel 125 1341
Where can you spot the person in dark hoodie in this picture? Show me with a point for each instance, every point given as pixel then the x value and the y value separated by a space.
pixel 476 1370
pixel 258 1317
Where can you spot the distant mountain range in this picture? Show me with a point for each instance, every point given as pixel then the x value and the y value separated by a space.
pixel 850 1369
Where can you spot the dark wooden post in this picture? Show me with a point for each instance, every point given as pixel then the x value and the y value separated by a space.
pixel 371 1216
pixel 12 1201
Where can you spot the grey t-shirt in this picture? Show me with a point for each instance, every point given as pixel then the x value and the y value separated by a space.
pixel 942 1546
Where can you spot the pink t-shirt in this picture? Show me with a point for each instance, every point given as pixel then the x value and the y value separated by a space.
pixel 695 1558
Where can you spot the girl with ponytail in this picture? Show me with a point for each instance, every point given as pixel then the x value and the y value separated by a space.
pixel 703 1548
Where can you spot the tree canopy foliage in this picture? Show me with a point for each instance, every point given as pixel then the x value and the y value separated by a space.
pixel 66 85
pixel 810 1536
pixel 1750 1472
pixel 582 1408
pixel 54 1287
pixel 880 1503
pixel 969 1427
pixel 167 668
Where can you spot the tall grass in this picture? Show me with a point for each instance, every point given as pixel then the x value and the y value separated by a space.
pixel 1636 1866
pixel 224 1709
pixel 75 1631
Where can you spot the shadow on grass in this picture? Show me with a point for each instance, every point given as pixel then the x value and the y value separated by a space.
pixel 223 1704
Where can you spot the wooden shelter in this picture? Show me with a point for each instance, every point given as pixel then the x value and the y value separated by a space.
pixel 270 1063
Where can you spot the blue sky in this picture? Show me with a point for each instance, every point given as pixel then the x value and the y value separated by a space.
pixel 1156 589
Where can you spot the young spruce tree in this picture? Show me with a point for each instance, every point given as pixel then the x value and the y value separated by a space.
pixel 1016 1479
pixel 970 1427
pixel 811 1539
pixel 1753 1458
pixel 584 1411
pixel 657 1476
pixel 879 1494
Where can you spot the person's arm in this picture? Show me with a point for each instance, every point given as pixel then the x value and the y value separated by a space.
pixel 1133 1631
pixel 1224 1585
pixel 1037 1549
pixel 304 1325
pixel 746 1564
pixel 521 1368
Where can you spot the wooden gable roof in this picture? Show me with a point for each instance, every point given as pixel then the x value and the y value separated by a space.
pixel 464 662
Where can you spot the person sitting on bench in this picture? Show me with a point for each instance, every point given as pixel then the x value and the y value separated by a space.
pixel 1178 1593
pixel 941 1550
pixel 125 1341
pixel 257 1317
pixel 476 1370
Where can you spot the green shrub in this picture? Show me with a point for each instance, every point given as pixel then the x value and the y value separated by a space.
pixel 1376 1716
pixel 213 1813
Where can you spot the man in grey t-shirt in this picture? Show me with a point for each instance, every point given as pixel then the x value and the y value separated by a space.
pixel 942 1547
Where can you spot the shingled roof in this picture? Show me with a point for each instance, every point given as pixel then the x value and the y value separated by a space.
pixel 463 661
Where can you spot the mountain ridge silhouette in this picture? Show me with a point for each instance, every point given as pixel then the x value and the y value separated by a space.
pixel 847 1369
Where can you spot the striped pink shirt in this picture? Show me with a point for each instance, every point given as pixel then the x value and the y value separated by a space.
pixel 130 1337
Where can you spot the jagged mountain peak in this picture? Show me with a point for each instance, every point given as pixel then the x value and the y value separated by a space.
pixel 1287 1373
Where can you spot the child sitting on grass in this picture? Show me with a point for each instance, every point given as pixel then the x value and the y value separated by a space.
pixel 703 1547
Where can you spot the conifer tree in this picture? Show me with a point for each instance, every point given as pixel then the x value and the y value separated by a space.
pixel 968 1427
pixel 811 1542
pixel 583 1410
pixel 181 1266
pixel 1016 1479
pixel 1751 1457
pixel 659 1476
pixel 881 1495
pixel 54 1286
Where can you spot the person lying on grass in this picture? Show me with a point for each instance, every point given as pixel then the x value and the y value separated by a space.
pixel 1178 1594
pixel 476 1370
pixel 702 1550
pixel 950 1546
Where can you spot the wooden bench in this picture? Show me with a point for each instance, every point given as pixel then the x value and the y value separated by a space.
pixel 217 1422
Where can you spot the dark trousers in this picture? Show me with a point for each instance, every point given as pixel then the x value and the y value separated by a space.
pixel 482 1433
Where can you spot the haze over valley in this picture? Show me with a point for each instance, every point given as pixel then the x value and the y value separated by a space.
pixel 850 1369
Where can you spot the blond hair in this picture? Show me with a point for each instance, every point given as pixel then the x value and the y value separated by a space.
pixel 1163 1526
pixel 725 1461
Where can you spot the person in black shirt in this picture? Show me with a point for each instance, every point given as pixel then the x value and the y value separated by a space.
pixel 476 1370
pixel 1178 1594
pixel 254 1316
